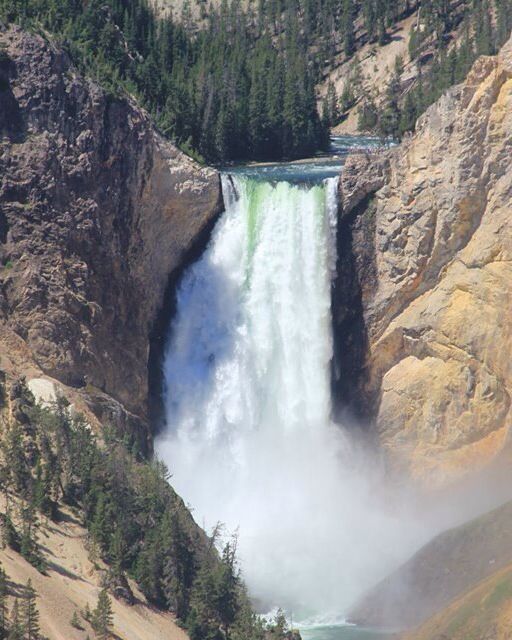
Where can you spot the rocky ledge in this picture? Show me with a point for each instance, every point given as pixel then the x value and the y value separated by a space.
pixel 432 244
pixel 97 211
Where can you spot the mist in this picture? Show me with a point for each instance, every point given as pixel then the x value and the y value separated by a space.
pixel 315 526
pixel 249 440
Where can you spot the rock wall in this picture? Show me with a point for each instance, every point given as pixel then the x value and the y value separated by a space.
pixel 435 279
pixel 97 211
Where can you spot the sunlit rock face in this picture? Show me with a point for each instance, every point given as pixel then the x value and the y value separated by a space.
pixel 435 287
pixel 96 211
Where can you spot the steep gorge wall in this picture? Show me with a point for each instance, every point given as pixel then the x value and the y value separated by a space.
pixel 430 225
pixel 97 211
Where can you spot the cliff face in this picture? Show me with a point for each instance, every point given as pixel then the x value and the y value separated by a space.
pixel 432 244
pixel 96 211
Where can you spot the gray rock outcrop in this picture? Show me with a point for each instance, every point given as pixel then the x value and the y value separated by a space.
pixel 97 210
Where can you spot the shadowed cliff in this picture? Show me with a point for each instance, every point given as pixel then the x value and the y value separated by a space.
pixel 97 212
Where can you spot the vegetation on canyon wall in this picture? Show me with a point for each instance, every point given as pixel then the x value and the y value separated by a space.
pixel 243 85
pixel 136 523
pixel 21 621
pixel 229 92
pixel 446 42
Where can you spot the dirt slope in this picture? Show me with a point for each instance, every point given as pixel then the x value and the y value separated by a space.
pixel 484 613
pixel 441 571
pixel 74 581
pixel 376 65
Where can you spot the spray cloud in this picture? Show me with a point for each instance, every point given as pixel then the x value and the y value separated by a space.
pixel 247 375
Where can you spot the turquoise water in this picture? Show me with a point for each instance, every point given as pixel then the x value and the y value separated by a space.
pixel 338 632
pixel 327 165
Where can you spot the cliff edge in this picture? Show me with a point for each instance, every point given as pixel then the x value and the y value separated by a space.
pixel 97 211
pixel 432 243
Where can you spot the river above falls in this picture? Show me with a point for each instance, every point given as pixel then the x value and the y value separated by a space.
pixel 325 165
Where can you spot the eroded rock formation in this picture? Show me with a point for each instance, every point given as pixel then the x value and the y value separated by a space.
pixel 96 211
pixel 435 284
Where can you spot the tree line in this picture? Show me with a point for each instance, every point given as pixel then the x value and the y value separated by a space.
pixel 230 91
pixel 240 87
pixel 136 522
pixel 243 85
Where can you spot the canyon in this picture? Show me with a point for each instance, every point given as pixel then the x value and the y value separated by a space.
pixel 100 215
pixel 423 234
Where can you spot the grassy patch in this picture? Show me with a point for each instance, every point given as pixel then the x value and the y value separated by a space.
pixel 501 592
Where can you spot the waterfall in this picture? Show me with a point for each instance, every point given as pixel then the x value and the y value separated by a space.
pixel 249 439
pixel 251 345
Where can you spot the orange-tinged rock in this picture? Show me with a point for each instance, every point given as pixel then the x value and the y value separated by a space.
pixel 438 307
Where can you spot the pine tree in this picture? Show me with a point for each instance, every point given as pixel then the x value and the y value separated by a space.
pixel 15 459
pixel 228 580
pixel 117 553
pixel 3 604
pixel 370 18
pixel 503 21
pixel 408 115
pixel 367 113
pixel 465 53
pixel 87 613
pixel 381 16
pixel 202 621
pixel 5 478
pixel 30 615
pixel 101 526
pixel 280 626
pixel 348 98
pixel 102 619
pixel 331 112
pixel 414 43
pixel 29 547
pixel 178 563
pixel 9 537
pixel 149 569
pixel 483 28
pixel 16 630
pixel 43 491
pixel 75 621
pixel 389 121
pixel 348 27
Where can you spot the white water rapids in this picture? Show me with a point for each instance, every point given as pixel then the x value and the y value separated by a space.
pixel 249 439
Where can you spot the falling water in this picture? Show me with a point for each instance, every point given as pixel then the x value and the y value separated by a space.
pixel 247 386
